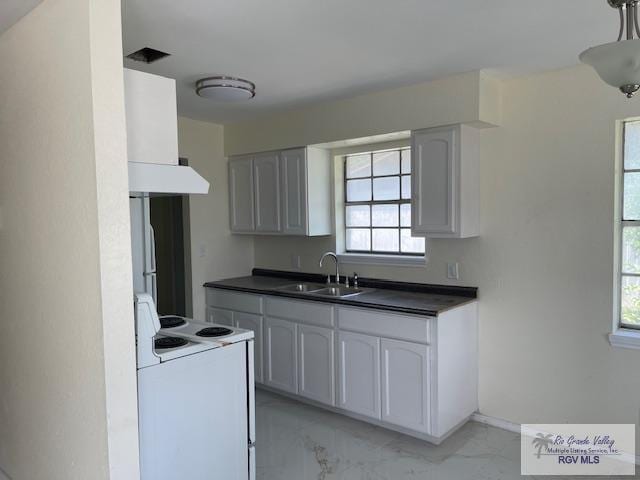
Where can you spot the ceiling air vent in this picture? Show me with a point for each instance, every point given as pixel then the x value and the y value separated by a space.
pixel 147 55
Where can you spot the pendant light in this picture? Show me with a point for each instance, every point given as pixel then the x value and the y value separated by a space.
pixel 618 63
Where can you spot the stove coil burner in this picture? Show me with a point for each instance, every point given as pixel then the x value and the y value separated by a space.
pixel 164 343
pixel 214 332
pixel 172 322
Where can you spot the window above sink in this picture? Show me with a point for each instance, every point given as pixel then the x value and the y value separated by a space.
pixel 373 206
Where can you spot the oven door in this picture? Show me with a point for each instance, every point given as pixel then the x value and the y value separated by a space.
pixel 193 419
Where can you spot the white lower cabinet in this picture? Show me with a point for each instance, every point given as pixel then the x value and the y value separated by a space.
pixel 316 378
pixel 280 344
pixel 252 322
pixel 220 316
pixel 359 373
pixel 247 321
pixel 405 384
pixel 412 373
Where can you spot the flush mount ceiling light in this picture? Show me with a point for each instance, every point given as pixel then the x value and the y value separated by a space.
pixel 618 63
pixel 225 89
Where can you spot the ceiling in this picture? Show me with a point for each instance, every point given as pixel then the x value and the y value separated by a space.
pixel 13 10
pixel 301 52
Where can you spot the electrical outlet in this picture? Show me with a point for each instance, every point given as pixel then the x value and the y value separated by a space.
pixel 296 262
pixel 453 272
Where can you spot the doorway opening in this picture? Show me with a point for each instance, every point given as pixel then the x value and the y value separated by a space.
pixel 170 219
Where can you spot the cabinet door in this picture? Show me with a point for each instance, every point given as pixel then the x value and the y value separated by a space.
pixel 253 323
pixel 359 373
pixel 241 200
pixel 405 384
pixel 433 166
pixel 280 355
pixel 266 172
pixel 294 191
pixel 316 364
pixel 219 316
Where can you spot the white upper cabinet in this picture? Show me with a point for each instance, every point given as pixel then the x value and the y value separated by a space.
pixel 152 118
pixel 291 191
pixel 306 191
pixel 445 182
pixel 241 201
pixel 294 191
pixel 266 180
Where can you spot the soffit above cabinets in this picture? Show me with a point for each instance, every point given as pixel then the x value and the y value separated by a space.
pixel 370 140
pixel 472 98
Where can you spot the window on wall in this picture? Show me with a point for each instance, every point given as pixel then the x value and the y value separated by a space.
pixel 378 204
pixel 629 286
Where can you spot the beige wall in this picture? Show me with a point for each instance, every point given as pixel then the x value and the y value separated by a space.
pixel 466 98
pixel 215 253
pixel 544 260
pixel 67 401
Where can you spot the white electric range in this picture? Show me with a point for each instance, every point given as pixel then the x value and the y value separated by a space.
pixel 202 332
pixel 196 398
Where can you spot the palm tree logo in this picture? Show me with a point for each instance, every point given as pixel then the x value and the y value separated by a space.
pixel 542 441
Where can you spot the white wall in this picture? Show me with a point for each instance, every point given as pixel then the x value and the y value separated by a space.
pixel 466 98
pixel 112 192
pixel 67 402
pixel 543 262
pixel 225 255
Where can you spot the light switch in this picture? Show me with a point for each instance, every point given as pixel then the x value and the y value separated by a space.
pixel 202 251
pixel 453 271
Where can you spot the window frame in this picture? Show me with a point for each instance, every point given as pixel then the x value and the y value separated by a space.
pixel 622 223
pixel 372 202
pixel 623 335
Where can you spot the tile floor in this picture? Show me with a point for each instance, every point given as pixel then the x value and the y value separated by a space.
pixel 300 442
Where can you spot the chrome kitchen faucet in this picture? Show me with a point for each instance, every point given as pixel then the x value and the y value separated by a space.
pixel 335 257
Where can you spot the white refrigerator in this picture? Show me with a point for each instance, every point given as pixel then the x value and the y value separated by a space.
pixel 143 247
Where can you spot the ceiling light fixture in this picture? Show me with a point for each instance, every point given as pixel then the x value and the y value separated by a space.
pixel 618 63
pixel 225 89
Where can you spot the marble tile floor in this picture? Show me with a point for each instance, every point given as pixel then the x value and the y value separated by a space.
pixel 296 441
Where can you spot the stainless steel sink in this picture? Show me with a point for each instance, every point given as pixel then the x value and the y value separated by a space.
pixel 302 287
pixel 338 292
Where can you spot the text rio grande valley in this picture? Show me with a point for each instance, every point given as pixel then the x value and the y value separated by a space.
pixel 585 451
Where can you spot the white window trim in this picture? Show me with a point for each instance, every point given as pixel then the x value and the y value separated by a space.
pixel 386 260
pixel 620 336
pixel 625 338
pixel 348 258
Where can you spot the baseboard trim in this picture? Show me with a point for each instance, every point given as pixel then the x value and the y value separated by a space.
pixel 507 425
pixel 496 422
pixel 362 418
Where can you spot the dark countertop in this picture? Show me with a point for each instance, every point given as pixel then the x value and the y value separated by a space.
pixel 412 298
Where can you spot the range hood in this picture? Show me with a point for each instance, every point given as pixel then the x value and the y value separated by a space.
pixel 165 179
pixel 152 138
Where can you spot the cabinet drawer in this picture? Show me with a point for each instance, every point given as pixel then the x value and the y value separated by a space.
pixel 221 317
pixel 385 324
pixel 300 311
pixel 239 302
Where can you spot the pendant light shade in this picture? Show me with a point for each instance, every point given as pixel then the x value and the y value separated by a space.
pixel 618 63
